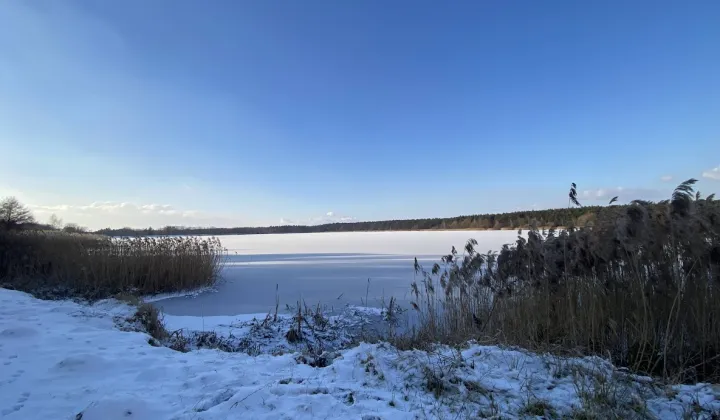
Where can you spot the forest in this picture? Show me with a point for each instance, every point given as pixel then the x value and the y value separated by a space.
pixel 575 216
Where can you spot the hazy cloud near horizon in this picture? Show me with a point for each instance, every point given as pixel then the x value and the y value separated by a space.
pixel 713 173
pixel 623 194
pixel 101 214
pixel 116 214
pixel 329 217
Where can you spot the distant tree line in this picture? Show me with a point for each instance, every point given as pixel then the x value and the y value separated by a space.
pixel 516 220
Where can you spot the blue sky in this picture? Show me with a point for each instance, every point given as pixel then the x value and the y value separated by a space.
pixel 234 112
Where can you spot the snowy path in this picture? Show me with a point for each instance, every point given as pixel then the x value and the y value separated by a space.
pixel 62 360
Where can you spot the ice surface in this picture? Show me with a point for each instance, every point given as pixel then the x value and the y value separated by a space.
pixel 328 268
pixel 63 360
pixel 415 243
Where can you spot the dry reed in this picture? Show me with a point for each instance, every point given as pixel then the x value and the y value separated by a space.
pixel 54 264
pixel 639 284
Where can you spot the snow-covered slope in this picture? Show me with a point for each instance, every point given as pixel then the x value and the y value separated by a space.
pixel 62 360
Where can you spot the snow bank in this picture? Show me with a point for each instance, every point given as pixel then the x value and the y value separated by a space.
pixel 62 360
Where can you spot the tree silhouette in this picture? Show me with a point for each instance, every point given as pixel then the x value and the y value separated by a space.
pixel 55 222
pixel 14 214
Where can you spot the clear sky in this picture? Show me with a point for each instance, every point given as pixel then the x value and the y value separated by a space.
pixel 242 113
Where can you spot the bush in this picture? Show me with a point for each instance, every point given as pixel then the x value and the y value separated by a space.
pixel 58 264
pixel 640 285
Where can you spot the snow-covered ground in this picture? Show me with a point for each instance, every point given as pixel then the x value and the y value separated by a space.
pixel 64 360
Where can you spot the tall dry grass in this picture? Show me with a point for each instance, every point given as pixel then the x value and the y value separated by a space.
pixel 640 284
pixel 90 266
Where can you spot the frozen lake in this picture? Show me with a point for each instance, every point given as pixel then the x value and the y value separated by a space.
pixel 327 268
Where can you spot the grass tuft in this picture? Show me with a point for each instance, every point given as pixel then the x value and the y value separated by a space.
pixel 538 408
pixel 150 319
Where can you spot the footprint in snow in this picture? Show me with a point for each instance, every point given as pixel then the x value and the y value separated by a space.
pixel 14 377
pixel 23 397
pixel 8 411
pixel 18 332
pixel 17 407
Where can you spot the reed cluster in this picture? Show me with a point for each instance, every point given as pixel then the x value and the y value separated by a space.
pixel 639 284
pixel 59 264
